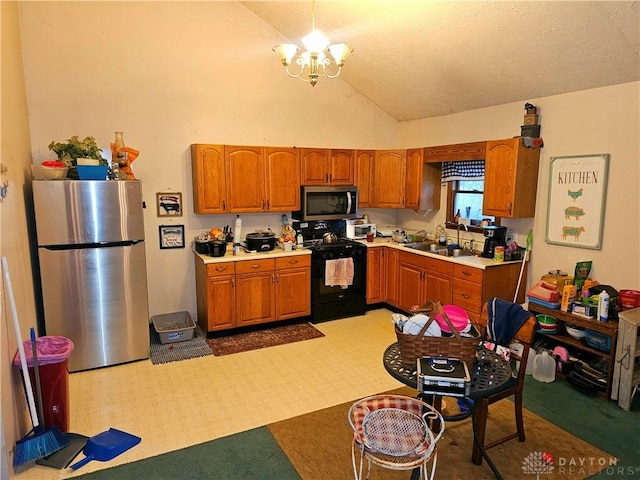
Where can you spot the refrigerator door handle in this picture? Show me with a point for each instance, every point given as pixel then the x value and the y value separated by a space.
pixel 79 246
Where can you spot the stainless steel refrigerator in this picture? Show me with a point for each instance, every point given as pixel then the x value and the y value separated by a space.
pixel 90 242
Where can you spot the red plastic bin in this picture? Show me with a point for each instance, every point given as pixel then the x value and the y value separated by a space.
pixel 53 366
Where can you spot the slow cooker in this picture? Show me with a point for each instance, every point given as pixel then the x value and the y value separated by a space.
pixel 217 248
pixel 261 241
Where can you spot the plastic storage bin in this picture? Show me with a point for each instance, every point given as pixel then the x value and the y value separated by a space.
pixel 174 327
pixel 597 340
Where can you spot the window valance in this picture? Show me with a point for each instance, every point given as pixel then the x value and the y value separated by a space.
pixel 463 170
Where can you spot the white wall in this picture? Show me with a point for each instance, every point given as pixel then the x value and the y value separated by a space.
pixel 603 120
pixel 16 158
pixel 172 74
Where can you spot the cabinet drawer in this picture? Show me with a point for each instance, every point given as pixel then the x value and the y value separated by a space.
pixel 217 269
pixel 468 273
pixel 439 266
pixel 467 295
pixel 293 261
pixel 253 266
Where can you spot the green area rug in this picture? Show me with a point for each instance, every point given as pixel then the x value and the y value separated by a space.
pixel 250 455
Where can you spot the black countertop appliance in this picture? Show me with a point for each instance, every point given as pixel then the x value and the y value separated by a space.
pixel 494 236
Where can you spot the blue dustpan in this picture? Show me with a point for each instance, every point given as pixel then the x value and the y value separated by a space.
pixel 106 446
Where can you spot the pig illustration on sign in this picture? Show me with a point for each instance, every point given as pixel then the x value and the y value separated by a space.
pixel 572 232
pixel 576 194
pixel 572 211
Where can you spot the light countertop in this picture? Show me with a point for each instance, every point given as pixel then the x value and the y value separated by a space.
pixel 469 261
pixel 230 257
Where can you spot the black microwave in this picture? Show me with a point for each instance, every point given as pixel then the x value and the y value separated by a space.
pixel 327 203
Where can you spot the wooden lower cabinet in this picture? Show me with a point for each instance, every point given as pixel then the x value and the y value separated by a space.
pixel 375 275
pixel 423 279
pixel 391 272
pixel 250 292
pixel 293 287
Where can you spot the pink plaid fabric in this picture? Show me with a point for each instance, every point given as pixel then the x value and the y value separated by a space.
pixel 396 428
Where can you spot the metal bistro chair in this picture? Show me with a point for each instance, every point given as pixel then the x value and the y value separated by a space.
pixel 392 431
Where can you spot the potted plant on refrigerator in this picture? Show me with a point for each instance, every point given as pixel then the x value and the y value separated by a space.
pixel 71 150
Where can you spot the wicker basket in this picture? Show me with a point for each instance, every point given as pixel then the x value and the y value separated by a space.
pixel 413 347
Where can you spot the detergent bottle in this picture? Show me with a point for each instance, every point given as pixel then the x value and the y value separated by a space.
pixel 544 367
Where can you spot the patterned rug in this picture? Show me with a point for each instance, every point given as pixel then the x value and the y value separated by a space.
pixel 269 337
pixel 172 352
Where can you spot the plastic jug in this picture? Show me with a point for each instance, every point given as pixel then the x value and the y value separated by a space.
pixel 530 361
pixel 544 367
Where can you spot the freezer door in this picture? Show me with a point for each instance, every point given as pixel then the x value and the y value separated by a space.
pixel 97 297
pixel 87 211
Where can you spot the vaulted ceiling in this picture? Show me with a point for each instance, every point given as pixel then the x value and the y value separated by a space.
pixel 424 58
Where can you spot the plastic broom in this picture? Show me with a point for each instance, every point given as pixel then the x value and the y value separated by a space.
pixel 524 260
pixel 40 442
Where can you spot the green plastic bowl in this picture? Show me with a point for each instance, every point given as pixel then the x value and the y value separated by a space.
pixel 546 320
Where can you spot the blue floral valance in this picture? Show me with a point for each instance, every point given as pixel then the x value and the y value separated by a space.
pixel 463 170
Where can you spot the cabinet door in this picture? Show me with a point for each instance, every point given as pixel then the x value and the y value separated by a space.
pixel 375 275
pixel 363 175
pixel 511 179
pixel 314 166
pixel 413 182
pixel 245 167
pixel 255 298
pixel 293 293
pixel 390 280
pixel 341 170
pixel 410 286
pixel 438 288
pixel 208 176
pixel 221 311
pixel 282 179
pixel 389 178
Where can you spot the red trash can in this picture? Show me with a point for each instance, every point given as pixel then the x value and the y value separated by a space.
pixel 53 366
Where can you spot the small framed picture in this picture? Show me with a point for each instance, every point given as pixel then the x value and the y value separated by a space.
pixel 169 204
pixel 171 236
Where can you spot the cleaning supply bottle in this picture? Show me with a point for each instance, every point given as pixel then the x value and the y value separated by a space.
pixel 544 367
pixel 603 306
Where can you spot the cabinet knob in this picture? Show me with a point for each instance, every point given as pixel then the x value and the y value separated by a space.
pixel 464 295
pixel 466 272
pixel 255 265
pixel 293 262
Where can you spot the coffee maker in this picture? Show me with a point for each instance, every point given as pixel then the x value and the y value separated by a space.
pixel 494 236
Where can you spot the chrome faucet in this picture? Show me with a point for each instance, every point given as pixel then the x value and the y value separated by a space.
pixel 465 228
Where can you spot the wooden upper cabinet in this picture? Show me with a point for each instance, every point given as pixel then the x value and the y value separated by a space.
pixel 510 179
pixel 282 179
pixel 321 166
pixel 413 180
pixel 245 181
pixel 208 175
pixel 313 164
pixel 389 178
pixel 341 167
pixel 456 152
pixel 363 177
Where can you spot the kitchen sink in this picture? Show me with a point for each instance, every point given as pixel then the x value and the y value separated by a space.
pixel 424 246
pixel 445 252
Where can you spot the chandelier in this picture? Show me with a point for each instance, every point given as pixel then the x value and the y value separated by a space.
pixel 314 62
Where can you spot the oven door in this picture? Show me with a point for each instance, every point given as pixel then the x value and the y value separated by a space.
pixel 323 293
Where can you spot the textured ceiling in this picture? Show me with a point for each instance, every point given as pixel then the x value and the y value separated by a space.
pixel 425 58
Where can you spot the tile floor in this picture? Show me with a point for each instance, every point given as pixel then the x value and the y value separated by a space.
pixel 175 405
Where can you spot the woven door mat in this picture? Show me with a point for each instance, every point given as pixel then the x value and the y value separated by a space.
pixel 172 352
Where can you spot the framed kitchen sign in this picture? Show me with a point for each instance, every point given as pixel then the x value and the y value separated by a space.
pixel 169 204
pixel 171 236
pixel 577 195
